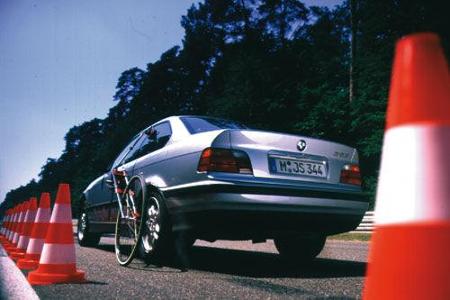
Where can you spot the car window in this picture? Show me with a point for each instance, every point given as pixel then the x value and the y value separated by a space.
pixel 157 138
pixel 134 151
pixel 126 150
pixel 201 124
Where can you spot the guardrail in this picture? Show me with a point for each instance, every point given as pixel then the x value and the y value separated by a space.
pixel 367 223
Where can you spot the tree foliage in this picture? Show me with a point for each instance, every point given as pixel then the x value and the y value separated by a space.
pixel 273 64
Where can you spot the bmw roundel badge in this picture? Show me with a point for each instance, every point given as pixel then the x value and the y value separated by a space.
pixel 301 145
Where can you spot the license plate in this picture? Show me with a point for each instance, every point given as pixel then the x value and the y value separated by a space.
pixel 298 167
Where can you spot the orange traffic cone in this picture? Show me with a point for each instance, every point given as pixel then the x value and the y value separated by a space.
pixel 58 260
pixel 5 224
pixel 25 230
pixel 409 256
pixel 13 240
pixel 34 249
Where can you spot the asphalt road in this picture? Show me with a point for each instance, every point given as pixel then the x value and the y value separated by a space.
pixel 224 270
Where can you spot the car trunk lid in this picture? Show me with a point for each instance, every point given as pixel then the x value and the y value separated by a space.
pixel 295 157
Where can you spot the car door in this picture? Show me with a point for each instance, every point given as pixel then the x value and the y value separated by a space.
pixel 97 196
pixel 102 193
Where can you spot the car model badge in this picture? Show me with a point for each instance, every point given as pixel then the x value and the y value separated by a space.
pixel 301 145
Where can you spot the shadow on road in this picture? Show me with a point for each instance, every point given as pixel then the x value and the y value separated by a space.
pixel 260 264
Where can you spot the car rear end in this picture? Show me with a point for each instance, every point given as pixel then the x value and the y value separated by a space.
pixel 262 184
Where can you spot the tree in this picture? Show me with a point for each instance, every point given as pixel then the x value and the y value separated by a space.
pixel 281 18
pixel 129 84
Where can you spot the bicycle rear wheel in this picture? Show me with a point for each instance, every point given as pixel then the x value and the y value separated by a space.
pixel 128 226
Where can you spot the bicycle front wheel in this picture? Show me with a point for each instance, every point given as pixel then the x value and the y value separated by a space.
pixel 129 225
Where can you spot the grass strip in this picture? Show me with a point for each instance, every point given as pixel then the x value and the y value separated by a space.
pixel 352 236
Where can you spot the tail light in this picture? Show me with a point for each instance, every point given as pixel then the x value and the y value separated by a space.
pixel 351 174
pixel 224 160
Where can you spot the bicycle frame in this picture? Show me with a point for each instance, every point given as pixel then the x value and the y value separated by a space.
pixel 120 193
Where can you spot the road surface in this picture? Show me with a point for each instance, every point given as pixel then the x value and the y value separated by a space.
pixel 223 270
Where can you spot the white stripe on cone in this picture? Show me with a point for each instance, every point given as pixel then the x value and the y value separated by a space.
pixel 10 220
pixel 35 246
pixel 4 229
pixel 15 238
pixel 10 233
pixel 415 167
pixel 43 215
pixel 5 220
pixel 58 254
pixel 23 242
pixel 11 236
pixel 61 214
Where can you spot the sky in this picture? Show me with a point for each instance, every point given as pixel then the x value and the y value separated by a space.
pixel 59 65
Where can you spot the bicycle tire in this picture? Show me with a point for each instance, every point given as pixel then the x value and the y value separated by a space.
pixel 128 230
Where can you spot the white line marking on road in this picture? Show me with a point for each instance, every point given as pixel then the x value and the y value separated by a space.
pixel 13 285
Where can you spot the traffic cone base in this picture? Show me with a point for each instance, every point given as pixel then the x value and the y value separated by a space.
pixel 12 248
pixel 28 264
pixel 64 274
pixel 8 247
pixel 17 255
pixel 421 265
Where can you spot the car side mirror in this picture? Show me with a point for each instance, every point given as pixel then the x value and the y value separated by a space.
pixel 151 134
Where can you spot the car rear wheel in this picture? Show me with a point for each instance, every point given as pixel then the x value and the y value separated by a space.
pixel 299 248
pixel 84 236
pixel 157 241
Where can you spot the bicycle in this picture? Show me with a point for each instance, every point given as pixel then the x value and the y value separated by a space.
pixel 131 195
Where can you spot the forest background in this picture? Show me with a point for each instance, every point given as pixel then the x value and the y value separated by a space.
pixel 273 64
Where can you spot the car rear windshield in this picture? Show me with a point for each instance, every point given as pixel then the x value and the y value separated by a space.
pixel 202 124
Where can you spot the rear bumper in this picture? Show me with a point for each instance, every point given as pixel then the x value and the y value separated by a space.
pixel 218 209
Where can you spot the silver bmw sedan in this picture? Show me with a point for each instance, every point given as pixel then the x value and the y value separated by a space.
pixel 211 178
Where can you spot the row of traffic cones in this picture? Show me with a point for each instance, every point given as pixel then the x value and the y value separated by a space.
pixel 41 241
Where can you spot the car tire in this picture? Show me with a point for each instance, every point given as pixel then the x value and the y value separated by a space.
pixel 299 249
pixel 84 236
pixel 157 240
